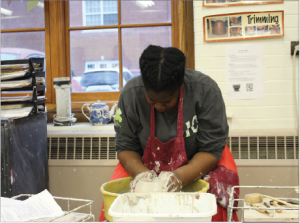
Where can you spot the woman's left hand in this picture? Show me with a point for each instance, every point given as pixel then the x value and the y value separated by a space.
pixel 174 183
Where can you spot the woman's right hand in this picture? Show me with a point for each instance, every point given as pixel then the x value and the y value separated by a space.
pixel 147 174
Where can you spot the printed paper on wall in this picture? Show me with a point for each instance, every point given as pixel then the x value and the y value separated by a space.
pixel 244 71
pixel 240 26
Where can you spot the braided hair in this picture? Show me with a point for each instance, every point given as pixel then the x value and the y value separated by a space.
pixel 162 69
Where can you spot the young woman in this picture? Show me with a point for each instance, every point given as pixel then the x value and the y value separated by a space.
pixel 172 120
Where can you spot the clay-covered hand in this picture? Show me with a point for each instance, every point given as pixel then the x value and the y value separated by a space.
pixel 147 174
pixel 174 183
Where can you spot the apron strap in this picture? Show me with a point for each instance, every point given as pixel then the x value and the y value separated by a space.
pixel 180 115
pixel 179 120
pixel 152 127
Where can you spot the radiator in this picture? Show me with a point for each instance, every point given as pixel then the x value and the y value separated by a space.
pixel 87 145
pixel 81 148
pixel 264 147
pixel 95 147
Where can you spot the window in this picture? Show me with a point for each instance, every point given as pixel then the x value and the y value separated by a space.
pixel 118 32
pixel 103 65
pixel 23 34
pixel 90 66
pixel 99 13
pixel 58 31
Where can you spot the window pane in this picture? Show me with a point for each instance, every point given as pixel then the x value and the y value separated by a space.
pixel 93 13
pixel 145 12
pixel 93 55
pixel 93 20
pixel 15 15
pixel 22 45
pixel 135 40
pixel 110 6
pixel 110 19
pixel 90 66
pixel 92 6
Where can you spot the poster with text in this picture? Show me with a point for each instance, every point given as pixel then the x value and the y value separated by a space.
pixel 220 3
pixel 244 71
pixel 241 26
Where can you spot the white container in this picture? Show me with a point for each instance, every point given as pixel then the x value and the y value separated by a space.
pixel 165 206
pixel 62 87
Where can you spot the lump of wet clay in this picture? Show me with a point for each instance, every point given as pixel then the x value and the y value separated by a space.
pixel 156 185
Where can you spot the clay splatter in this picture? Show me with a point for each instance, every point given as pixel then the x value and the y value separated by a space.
pixel 207 177
pixel 157 165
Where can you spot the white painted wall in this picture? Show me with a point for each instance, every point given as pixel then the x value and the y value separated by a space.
pixel 276 110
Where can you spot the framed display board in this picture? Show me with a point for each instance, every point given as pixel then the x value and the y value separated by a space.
pixel 241 26
pixel 220 3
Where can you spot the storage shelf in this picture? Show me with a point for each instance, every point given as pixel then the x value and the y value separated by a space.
pixel 30 88
pixel 39 101
pixel 37 90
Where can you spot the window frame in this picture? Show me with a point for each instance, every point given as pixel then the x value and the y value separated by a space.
pixel 101 13
pixel 111 97
pixel 57 48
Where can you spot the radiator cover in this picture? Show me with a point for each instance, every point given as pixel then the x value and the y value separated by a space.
pixel 103 147
pixel 84 144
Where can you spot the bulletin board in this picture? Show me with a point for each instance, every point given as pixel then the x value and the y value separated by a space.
pixel 220 3
pixel 242 26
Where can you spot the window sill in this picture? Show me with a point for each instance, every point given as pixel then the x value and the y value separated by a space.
pixel 79 128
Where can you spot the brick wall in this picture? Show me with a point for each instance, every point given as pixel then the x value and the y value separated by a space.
pixel 277 109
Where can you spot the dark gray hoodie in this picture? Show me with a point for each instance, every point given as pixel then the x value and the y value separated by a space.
pixel 204 116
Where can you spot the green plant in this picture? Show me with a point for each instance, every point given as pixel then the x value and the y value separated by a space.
pixel 31 4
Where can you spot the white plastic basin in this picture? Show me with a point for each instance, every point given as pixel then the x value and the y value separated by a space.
pixel 165 206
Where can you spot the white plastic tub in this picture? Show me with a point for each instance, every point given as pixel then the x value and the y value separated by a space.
pixel 164 206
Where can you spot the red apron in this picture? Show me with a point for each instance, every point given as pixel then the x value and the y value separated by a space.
pixel 168 156
pixel 220 180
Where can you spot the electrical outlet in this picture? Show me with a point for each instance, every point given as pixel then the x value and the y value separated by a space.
pixel 293 44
